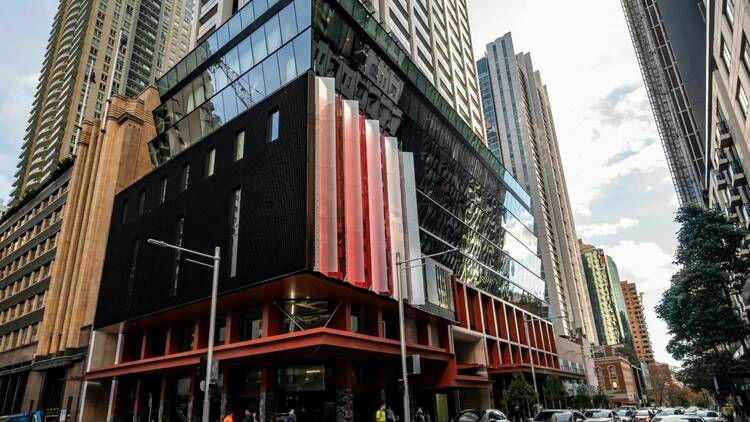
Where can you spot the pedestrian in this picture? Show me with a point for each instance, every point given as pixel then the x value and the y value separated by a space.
pixel 421 415
pixel 247 417
pixel 380 414
pixel 389 415
pixel 229 416
pixel 254 417
pixel 292 416
pixel 729 412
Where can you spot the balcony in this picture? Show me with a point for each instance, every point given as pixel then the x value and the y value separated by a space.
pixel 721 180
pixel 737 174
pixel 723 137
pixel 722 162
pixel 733 196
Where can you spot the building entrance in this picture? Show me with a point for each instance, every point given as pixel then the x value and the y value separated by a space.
pixel 307 390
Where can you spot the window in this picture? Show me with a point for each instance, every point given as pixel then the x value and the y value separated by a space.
pixel 613 377
pixel 239 145
pixel 210 161
pixel 745 55
pixel 124 218
pixel 234 230
pixel 273 126
pixel 177 254
pixel 742 99
pixel 359 319
pixel 185 176
pixel 220 334
pixel 726 55
pixel 729 12
pixel 141 201
pixel 303 314
pixel 252 323
pixel 163 189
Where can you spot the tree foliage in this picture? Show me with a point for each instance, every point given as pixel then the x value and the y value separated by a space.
pixel 520 393
pixel 554 391
pixel 698 307
pixel 581 399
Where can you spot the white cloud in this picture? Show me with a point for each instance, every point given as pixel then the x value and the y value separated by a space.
pixel 605 229
pixel 651 268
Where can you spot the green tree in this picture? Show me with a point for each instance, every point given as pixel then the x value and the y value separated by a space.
pixel 582 399
pixel 554 391
pixel 698 307
pixel 600 399
pixel 521 394
pixel 629 353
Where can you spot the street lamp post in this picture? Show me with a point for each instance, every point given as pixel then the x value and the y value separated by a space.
pixel 527 319
pixel 216 258
pixel 402 323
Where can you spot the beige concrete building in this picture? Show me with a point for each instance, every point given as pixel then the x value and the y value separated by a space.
pixel 87 34
pixel 637 319
pixel 51 279
pixel 521 132
pixel 29 236
pixel 436 33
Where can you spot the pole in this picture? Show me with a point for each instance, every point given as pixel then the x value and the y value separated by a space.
pixel 111 81
pixel 401 324
pixel 211 329
pixel 531 359
pixel 83 107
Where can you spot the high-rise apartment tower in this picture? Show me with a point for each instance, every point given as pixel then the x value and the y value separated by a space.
pixel 152 36
pixel 637 319
pixel 434 32
pixel 607 301
pixel 669 37
pixel 521 132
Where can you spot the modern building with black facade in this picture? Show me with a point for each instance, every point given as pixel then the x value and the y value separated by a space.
pixel 28 244
pixel 669 37
pixel 301 140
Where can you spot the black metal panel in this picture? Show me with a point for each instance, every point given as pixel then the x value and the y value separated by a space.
pixel 272 239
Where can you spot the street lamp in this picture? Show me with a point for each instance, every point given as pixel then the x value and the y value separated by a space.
pixel 401 323
pixel 527 319
pixel 216 258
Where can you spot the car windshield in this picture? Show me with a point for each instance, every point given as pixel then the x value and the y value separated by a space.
pixel 623 412
pixel 708 414
pixel 668 412
pixel 598 414
pixel 469 416
pixel 642 413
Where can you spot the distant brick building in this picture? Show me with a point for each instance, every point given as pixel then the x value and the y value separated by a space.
pixel 637 319
pixel 618 379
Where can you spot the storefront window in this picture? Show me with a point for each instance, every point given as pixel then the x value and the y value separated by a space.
pixel 304 314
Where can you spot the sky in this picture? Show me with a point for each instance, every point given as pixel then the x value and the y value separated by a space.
pixel 619 186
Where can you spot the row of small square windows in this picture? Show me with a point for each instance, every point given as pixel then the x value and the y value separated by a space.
pixel 238 153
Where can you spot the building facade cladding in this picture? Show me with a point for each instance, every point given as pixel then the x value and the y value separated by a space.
pixel 86 33
pixel 670 44
pixel 521 133
pixel 729 134
pixel 610 313
pixel 435 33
pixel 28 244
pixel 320 109
pixel 637 319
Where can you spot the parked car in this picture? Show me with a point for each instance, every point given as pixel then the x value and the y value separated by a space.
pixel 559 415
pixel 477 415
pixel 600 415
pixel 626 415
pixel 711 415
pixel 677 418
pixel 667 411
pixel 643 415
pixel 692 410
